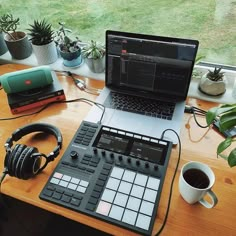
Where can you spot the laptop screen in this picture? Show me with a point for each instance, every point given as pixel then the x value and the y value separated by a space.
pixel 158 66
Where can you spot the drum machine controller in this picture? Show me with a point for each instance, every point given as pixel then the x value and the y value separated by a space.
pixel 111 174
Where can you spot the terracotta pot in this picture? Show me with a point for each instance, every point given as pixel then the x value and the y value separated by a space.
pixel 20 48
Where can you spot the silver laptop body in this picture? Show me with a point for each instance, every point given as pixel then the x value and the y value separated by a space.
pixel 145 67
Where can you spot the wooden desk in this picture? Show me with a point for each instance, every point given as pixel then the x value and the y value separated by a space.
pixel 184 219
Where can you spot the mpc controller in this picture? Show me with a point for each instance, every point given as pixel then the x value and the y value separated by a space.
pixel 112 175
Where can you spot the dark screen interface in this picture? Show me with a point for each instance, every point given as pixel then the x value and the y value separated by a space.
pixel 130 147
pixel 148 65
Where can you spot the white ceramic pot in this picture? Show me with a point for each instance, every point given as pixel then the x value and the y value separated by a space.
pixel 45 54
pixel 212 88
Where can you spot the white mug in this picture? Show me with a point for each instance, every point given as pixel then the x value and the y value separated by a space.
pixel 195 181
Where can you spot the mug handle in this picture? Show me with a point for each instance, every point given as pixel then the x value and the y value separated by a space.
pixel 213 198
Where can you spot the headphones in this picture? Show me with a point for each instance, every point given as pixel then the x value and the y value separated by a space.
pixel 23 161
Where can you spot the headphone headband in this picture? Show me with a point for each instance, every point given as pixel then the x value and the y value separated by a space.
pixel 37 127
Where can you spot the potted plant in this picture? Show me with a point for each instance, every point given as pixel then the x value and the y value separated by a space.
pixel 3 46
pixel 94 54
pixel 69 49
pixel 42 39
pixel 17 41
pixel 213 82
pixel 226 114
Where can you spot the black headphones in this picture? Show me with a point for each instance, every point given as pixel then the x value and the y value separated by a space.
pixel 23 161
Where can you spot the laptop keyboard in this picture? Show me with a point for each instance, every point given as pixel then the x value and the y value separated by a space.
pixel 142 106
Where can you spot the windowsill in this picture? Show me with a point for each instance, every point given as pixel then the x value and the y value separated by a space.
pixel 228 97
pixel 82 70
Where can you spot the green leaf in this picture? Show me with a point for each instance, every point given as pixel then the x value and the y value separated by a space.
pixel 211 115
pixel 228 120
pixel 224 145
pixel 232 158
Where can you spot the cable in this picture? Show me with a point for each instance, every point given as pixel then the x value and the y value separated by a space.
pixel 56 102
pixel 80 83
pixel 172 181
pixel 196 111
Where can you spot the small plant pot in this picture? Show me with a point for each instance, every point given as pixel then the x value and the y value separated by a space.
pixel 20 48
pixel 71 59
pixel 46 54
pixel 96 65
pixel 212 88
pixel 3 46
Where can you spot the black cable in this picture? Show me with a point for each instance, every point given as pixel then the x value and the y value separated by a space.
pixel 172 181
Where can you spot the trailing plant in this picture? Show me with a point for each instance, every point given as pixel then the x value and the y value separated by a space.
pixel 94 50
pixel 41 32
pixel 226 114
pixel 65 43
pixel 8 24
pixel 215 75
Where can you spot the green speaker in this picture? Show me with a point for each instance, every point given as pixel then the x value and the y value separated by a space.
pixel 23 80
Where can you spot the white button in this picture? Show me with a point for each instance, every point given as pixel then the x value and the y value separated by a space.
pixel 116 212
pixel 133 203
pixel 143 221
pixel 54 181
pixel 140 179
pixel 147 208
pixel 150 195
pixel 125 187
pixel 153 183
pixel 63 183
pixel 75 180
pixel 129 217
pixel 117 172
pixel 129 176
pixel 84 183
pixel 81 189
pixel 72 186
pixel 108 195
pixel 113 183
pixel 121 199
pixel 137 191
pixel 66 178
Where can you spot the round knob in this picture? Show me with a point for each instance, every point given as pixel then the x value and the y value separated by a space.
pixel 103 152
pixel 129 160
pixel 95 150
pixel 137 162
pixel 147 164
pixel 120 157
pixel 112 155
pixel 74 154
pixel 155 167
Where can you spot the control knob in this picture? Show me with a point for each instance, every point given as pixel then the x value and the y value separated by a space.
pixel 74 155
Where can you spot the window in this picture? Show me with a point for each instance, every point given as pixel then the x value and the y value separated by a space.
pixel 211 22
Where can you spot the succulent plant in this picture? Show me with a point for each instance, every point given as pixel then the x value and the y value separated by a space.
pixel 215 75
pixel 93 50
pixel 41 32
pixel 8 24
pixel 65 43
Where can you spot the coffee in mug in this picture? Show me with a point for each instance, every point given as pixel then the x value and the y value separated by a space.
pixel 195 182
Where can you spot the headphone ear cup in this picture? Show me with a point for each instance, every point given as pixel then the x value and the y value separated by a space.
pixel 27 165
pixel 12 158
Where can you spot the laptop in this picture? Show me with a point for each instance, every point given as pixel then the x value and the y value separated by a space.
pixel 147 79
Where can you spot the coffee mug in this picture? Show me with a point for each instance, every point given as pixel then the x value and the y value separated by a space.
pixel 195 182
